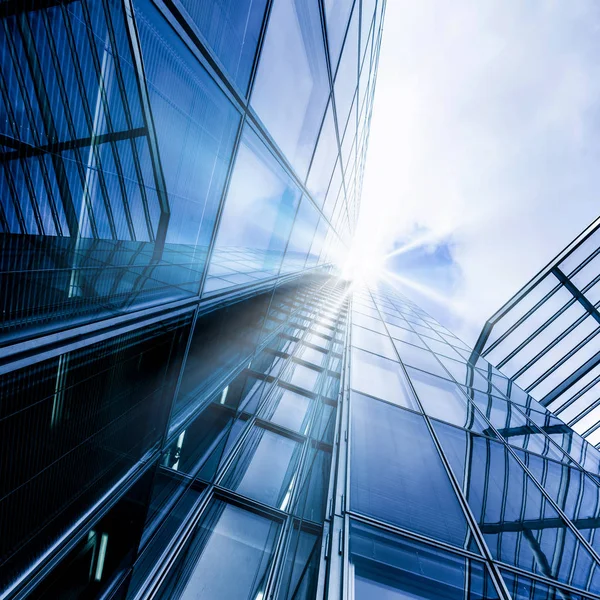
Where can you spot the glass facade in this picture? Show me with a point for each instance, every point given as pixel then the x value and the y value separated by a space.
pixel 175 179
pixel 192 403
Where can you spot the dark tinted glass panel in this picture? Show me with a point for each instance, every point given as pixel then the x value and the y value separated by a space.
pixel 400 478
pixel 391 567
pixel 95 412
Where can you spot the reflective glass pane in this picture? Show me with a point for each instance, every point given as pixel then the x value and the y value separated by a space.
pixel 381 377
pixel 373 342
pixel 292 86
pixel 346 78
pixel 389 567
pixel 443 399
pixel 337 13
pixel 419 358
pixel 247 541
pixel 324 159
pixel 258 213
pixel 263 467
pixel 288 409
pixel 301 237
pixel 400 478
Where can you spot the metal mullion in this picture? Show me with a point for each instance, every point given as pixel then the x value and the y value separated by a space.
pixel 193 42
pixel 170 436
pixel 561 361
pixel 575 396
pixel 567 522
pixel 127 112
pixel 519 321
pixel 417 537
pixel 539 330
pixel 107 116
pixel 552 583
pixel 547 348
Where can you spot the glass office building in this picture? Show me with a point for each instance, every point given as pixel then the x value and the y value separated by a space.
pixel 192 403
pixel 176 178
pixel 546 337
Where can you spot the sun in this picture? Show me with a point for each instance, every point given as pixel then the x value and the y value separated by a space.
pixel 363 266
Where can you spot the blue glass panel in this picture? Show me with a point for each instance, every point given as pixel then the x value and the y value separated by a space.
pixel 301 237
pixel 419 358
pixel 292 86
pixel 381 377
pixel 373 342
pixel 324 159
pixel 400 478
pixel 196 126
pixel 391 567
pixel 525 588
pixel 346 78
pixel 287 409
pixel 232 29
pixel 443 399
pixel 258 214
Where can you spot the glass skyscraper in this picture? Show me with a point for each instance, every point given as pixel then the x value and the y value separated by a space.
pixel 176 178
pixel 193 404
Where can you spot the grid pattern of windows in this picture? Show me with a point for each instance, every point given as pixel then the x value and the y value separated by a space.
pixel 454 483
pixel 546 337
pixel 175 179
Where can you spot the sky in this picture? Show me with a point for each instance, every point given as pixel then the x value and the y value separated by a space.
pixel 484 151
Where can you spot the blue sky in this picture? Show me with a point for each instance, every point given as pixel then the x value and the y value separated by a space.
pixel 484 142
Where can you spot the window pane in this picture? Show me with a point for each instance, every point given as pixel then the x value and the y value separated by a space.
pixel 259 211
pixel 228 556
pixel 390 567
pixel 292 87
pixel 337 13
pixel 288 409
pixel 324 159
pixel 346 78
pixel 263 467
pixel 442 399
pixel 373 342
pixel 419 358
pixel 400 478
pixel 301 238
pixel 377 376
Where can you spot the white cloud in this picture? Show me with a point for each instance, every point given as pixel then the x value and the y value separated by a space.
pixel 486 123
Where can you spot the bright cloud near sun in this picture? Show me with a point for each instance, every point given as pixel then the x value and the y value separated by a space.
pixel 483 155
